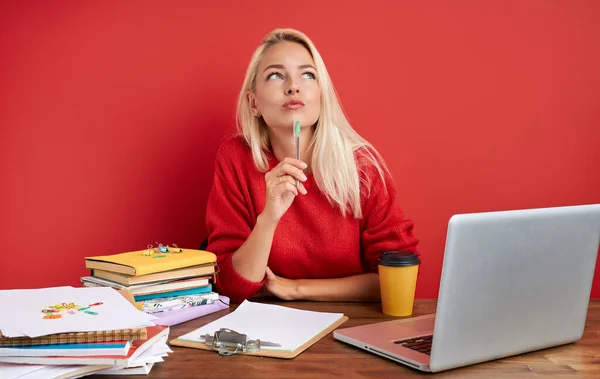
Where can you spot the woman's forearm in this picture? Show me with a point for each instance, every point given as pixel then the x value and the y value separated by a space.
pixel 250 260
pixel 363 287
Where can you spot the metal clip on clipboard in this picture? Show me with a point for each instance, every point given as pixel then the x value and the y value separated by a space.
pixel 229 342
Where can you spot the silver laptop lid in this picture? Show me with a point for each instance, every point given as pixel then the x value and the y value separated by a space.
pixel 514 281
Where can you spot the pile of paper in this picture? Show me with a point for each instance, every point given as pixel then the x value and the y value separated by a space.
pixel 66 332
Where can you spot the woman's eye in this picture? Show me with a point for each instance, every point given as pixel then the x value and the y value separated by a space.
pixel 274 75
pixel 308 75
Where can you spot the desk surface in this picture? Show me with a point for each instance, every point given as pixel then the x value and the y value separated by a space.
pixel 329 358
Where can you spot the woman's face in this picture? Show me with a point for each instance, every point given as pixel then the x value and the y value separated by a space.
pixel 286 87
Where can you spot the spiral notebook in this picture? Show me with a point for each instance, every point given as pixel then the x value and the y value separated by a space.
pixel 156 333
pixel 77 337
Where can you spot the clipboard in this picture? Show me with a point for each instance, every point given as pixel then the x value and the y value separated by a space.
pixel 267 353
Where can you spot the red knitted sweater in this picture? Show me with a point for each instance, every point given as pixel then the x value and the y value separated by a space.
pixel 312 239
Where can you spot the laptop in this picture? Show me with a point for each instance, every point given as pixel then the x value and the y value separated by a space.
pixel 512 282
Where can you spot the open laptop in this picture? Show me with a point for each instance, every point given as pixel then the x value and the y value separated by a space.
pixel 512 282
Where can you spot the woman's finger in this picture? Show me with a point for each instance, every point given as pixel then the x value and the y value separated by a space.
pixel 286 186
pixel 293 171
pixel 286 178
pixel 302 189
pixel 294 162
pixel 277 181
pixel 270 274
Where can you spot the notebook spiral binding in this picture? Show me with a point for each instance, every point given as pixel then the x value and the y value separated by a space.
pixel 76 337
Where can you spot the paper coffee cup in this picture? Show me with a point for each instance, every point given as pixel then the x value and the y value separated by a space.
pixel 397 281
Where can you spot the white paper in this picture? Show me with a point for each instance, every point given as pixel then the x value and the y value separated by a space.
pixel 15 370
pixel 157 350
pixel 5 317
pixel 153 354
pixel 289 327
pixel 141 370
pixel 23 371
pixel 49 372
pixel 144 362
pixel 24 317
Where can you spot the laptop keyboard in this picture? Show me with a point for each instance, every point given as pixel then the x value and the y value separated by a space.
pixel 421 344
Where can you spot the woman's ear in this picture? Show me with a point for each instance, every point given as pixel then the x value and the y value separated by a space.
pixel 252 103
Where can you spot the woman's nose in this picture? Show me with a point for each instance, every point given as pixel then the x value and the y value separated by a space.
pixel 293 88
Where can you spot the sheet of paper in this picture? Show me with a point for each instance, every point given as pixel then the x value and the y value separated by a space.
pixel 24 371
pixel 5 317
pixel 289 327
pixel 119 370
pixel 84 309
pixel 15 370
pixel 153 354
pixel 52 372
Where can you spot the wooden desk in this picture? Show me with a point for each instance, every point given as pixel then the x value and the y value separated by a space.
pixel 329 358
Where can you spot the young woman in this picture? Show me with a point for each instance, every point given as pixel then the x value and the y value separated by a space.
pixel 309 228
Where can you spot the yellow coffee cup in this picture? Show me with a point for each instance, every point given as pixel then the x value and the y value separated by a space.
pixel 398 281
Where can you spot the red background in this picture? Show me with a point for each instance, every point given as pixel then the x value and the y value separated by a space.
pixel 111 113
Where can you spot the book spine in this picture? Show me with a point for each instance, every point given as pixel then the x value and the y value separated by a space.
pixel 193 291
pixel 63 338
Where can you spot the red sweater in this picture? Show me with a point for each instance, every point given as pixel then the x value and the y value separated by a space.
pixel 312 239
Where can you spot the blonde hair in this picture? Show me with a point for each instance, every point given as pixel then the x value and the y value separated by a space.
pixel 334 164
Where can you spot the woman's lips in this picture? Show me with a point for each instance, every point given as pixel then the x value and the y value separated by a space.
pixel 293 104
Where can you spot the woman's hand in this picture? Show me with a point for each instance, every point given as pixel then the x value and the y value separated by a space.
pixel 281 187
pixel 285 289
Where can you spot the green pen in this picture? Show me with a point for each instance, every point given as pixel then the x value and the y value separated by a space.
pixel 297 140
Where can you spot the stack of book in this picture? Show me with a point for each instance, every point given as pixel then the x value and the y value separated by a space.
pixel 66 332
pixel 161 279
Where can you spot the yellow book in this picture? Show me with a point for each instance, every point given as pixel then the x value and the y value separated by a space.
pixel 137 263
